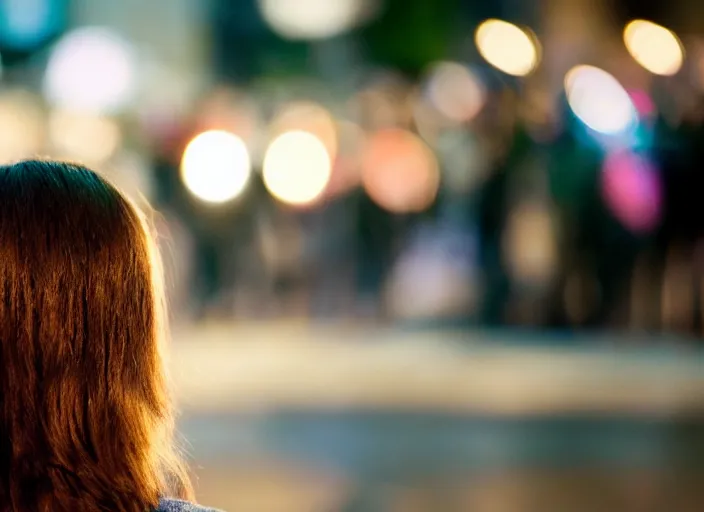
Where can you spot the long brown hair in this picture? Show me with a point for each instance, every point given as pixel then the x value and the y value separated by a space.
pixel 86 421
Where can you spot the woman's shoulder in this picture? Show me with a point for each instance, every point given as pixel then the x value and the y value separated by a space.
pixel 171 505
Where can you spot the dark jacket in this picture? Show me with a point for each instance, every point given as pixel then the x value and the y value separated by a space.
pixel 170 505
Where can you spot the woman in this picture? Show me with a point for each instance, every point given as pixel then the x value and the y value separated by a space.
pixel 85 418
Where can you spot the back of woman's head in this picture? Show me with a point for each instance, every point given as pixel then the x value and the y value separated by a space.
pixel 85 418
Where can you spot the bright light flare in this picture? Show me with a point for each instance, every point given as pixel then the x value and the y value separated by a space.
pixel 507 47
pixel 91 69
pixel 216 166
pixel 654 47
pixel 296 168
pixel 599 100
pixel 311 19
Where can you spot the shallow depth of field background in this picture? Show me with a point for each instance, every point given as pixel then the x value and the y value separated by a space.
pixel 421 255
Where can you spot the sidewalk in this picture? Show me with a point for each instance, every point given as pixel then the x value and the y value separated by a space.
pixel 261 367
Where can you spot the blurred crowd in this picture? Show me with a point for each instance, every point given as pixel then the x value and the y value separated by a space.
pixel 454 197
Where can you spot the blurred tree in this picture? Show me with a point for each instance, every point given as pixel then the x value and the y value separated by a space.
pixel 410 34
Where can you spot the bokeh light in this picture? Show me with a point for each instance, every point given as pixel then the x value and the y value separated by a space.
pixel 435 276
pixel 296 168
pixel 400 172
pixel 307 117
pixel 466 161
pixel 654 47
pixel 216 166
pixel 507 47
pixel 378 108
pixel 311 19
pixel 91 69
pixel 632 190
pixel 27 24
pixel 22 125
pixel 643 103
pixel 84 137
pixel 455 92
pixel 599 100
pixel 529 243
pixel 231 111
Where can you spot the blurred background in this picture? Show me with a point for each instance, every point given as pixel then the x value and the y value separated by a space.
pixel 422 255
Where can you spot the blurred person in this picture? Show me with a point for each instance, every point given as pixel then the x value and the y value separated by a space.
pixel 86 423
pixel 376 232
pixel 281 246
pixel 434 278
pixel 220 236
